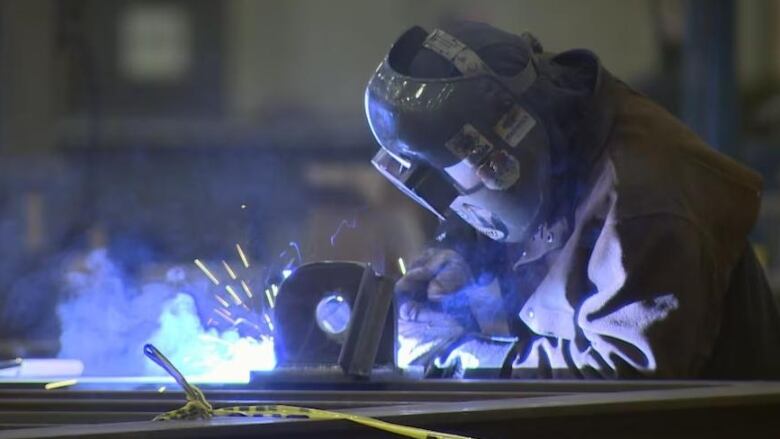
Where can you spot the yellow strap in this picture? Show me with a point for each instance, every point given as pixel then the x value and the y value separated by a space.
pixel 198 407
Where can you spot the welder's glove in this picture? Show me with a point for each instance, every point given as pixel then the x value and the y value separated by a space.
pixel 423 332
pixel 434 274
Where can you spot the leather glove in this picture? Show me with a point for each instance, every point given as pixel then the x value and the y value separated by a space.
pixel 435 274
pixel 423 333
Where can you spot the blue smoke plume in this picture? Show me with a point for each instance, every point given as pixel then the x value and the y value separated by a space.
pixel 107 318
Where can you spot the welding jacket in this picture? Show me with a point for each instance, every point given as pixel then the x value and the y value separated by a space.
pixel 656 277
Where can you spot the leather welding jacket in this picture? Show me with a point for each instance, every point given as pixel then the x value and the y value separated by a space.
pixel 656 277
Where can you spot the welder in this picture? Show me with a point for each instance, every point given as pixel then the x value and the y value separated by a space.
pixel 604 239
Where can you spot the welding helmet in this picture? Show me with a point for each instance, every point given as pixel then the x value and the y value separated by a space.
pixel 466 142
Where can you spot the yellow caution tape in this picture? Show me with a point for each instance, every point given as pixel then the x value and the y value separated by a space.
pixel 197 407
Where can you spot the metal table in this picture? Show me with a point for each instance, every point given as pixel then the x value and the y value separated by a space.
pixel 482 409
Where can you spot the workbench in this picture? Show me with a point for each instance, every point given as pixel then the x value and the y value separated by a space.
pixel 479 408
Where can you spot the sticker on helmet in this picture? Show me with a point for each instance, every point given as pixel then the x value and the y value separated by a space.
pixel 515 125
pixel 483 220
pixel 500 171
pixel 464 59
pixel 469 144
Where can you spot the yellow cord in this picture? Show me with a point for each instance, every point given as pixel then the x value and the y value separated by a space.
pixel 197 407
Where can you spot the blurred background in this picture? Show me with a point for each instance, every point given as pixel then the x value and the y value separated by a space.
pixel 160 131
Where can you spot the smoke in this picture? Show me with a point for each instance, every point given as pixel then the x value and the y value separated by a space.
pixel 207 354
pixel 106 319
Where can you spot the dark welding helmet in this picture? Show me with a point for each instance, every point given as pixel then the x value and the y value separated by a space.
pixel 466 142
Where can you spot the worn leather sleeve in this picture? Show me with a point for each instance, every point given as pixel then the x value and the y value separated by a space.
pixel 652 311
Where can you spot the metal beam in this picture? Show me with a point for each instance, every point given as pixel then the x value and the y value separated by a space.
pixel 713 410
pixel 709 89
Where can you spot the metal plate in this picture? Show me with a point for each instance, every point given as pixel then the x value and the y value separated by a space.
pixel 482 409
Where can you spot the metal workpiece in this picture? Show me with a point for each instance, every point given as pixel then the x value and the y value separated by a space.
pixel 480 409
pixel 335 313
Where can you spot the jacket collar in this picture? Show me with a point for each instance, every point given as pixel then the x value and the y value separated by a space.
pixel 589 141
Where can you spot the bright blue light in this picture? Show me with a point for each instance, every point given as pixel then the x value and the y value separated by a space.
pixel 333 314
pixel 208 355
pixel 119 316
pixel 286 273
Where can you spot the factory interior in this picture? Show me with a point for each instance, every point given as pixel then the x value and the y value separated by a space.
pixel 189 214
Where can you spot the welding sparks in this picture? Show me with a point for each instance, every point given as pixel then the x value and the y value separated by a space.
pixel 225 315
pixel 344 223
pixel 268 321
pixel 241 254
pixel 275 290
pixel 222 301
pixel 233 294
pixel 297 248
pixel 420 91
pixel 206 271
pixel 248 291
pixel 60 384
pixel 270 297
pixel 229 270
pixel 286 273
pixel 402 266
pixel 243 321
